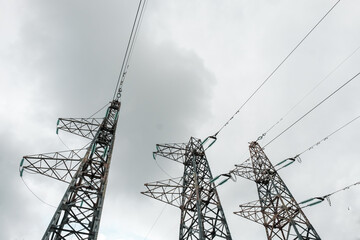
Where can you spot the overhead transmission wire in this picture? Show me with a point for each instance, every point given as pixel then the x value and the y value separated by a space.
pixel 48 204
pixel 274 71
pixel 162 169
pixel 327 137
pixel 291 160
pixel 286 162
pixel 312 109
pixel 316 200
pixel 308 93
pixel 129 48
pixel 155 222
pixel 128 54
pixel 99 110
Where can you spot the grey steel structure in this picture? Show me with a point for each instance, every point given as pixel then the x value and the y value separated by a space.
pixel 202 216
pixel 276 208
pixel 79 212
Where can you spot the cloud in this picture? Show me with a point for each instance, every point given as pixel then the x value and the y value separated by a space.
pixel 193 65
pixel 165 96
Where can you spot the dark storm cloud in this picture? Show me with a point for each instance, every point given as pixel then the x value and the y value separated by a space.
pixel 78 49
pixel 75 53
pixel 163 103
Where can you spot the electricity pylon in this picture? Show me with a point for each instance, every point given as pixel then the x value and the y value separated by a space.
pixel 276 208
pixel 78 214
pixel 202 216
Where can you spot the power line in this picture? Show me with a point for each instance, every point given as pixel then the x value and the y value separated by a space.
pixel 282 164
pixel 99 110
pixel 308 93
pixel 312 109
pixel 324 139
pixel 273 72
pixel 36 195
pixel 316 200
pixel 162 169
pixel 155 222
pixel 76 151
pixel 136 35
pixel 291 160
pixel 129 48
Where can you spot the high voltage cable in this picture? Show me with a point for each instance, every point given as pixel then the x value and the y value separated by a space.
pixel 273 72
pixel 289 161
pixel 137 29
pixel 316 200
pixel 36 195
pixel 162 169
pixel 312 109
pixel 285 162
pixel 307 94
pixel 156 220
pixel 99 110
pixel 324 139
pixel 129 48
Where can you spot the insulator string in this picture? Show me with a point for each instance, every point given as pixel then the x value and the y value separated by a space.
pixel 316 200
pixel 129 48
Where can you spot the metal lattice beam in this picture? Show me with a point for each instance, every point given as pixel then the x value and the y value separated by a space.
pixel 168 191
pixel 58 165
pixel 244 170
pixel 251 211
pixel 174 151
pixel 84 127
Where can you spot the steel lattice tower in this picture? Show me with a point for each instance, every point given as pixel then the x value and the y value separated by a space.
pixel 202 216
pixel 78 214
pixel 276 208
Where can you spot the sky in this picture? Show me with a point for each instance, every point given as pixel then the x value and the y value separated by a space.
pixel 193 65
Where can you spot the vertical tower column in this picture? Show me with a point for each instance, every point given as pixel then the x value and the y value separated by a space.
pixel 281 214
pixel 202 216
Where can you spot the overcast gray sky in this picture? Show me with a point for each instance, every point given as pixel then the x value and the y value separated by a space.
pixel 194 64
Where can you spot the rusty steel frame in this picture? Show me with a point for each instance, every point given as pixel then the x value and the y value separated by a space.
pixel 61 166
pixel 84 127
pixel 79 212
pixel 276 208
pixel 202 216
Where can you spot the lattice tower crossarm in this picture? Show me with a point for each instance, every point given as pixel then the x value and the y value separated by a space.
pixel 79 212
pixel 276 209
pixel 202 216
